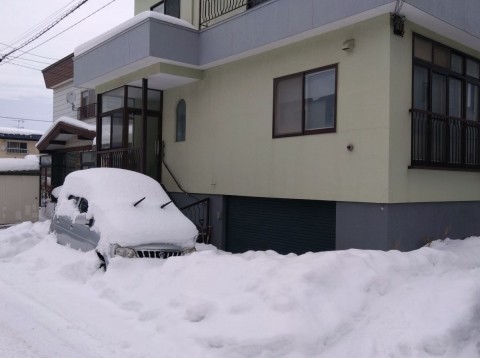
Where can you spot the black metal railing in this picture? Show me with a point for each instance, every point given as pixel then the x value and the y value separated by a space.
pixel 199 213
pixel 130 158
pixel 444 142
pixel 88 111
pixel 214 9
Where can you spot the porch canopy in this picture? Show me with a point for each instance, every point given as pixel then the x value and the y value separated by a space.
pixel 67 134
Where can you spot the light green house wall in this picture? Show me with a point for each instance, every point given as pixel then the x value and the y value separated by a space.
pixel 229 147
pixel 417 185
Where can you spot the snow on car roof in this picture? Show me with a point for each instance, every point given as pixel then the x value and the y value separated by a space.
pixel 111 195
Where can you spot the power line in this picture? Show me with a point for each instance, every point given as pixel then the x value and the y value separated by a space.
pixel 45 29
pixel 61 32
pixel 41 24
pixel 31 54
pixel 16 64
pixel 61 75
pixel 25 119
pixel 27 59
pixel 27 52
pixel 65 77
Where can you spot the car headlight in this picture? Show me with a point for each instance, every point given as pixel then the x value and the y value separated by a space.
pixel 125 252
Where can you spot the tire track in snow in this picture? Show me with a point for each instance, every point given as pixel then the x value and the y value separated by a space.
pixel 31 330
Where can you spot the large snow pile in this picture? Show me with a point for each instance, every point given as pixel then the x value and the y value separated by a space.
pixel 111 195
pixel 353 303
pixel 29 163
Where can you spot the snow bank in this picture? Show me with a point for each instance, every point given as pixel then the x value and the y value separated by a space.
pixel 21 237
pixel 111 195
pixel 29 163
pixel 353 303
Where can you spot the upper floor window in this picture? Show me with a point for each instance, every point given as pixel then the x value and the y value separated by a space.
pixel 181 121
pixel 17 147
pixel 88 97
pixel 88 102
pixel 167 7
pixel 253 3
pixel 305 103
pixel 445 125
pixel 445 81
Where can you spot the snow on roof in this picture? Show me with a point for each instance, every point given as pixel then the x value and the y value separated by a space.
pixel 29 163
pixel 111 195
pixel 128 24
pixel 70 121
pixel 19 131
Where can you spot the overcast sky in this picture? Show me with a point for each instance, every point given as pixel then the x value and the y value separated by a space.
pixel 22 90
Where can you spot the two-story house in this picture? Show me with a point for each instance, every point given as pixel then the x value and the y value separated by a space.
pixel 68 143
pixel 310 125
pixel 18 142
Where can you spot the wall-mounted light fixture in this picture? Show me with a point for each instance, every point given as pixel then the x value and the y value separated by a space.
pixel 348 45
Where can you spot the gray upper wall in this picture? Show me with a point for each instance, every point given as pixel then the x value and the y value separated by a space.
pixel 281 22
pixel 141 45
pixel 270 25
pixel 462 14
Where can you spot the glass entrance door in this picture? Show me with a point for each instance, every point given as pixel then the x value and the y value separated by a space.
pixel 129 140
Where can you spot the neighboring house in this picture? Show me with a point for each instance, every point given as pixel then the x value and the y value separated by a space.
pixel 310 125
pixel 69 139
pixel 18 142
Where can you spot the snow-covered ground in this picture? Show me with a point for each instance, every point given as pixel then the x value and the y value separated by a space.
pixel 54 302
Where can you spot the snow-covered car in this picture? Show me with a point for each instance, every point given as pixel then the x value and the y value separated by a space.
pixel 120 213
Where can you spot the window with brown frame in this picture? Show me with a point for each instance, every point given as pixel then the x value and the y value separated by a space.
pixel 445 81
pixel 88 102
pixel 305 103
pixel 445 107
pixel 253 3
pixel 167 7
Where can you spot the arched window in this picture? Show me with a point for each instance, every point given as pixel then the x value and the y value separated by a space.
pixel 181 124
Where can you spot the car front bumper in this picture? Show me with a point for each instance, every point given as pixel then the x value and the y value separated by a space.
pixel 149 252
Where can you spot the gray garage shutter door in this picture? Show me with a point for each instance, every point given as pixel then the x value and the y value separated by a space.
pixel 282 225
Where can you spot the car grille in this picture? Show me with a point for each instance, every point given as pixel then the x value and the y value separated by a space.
pixel 158 254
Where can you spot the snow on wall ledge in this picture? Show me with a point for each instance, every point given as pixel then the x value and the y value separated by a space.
pixel 29 163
